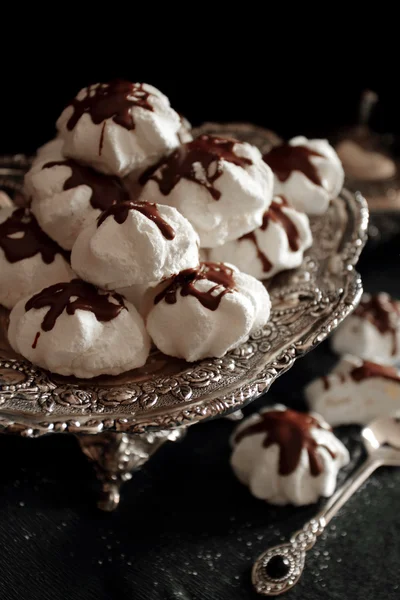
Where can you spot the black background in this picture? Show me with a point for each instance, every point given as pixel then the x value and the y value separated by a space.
pixel 186 529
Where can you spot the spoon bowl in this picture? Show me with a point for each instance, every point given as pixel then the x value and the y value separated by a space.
pixel 382 439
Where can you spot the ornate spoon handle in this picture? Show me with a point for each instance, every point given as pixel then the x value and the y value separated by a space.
pixel 278 569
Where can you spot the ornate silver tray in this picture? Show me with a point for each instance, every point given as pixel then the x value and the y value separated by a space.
pixel 161 399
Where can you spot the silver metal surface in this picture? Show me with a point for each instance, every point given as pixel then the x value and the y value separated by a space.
pixel 382 442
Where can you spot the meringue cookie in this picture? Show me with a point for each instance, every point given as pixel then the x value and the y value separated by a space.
pixel 119 127
pixel 75 329
pixel 277 245
pixel 29 259
pixel 307 172
pixel 356 392
pixel 364 164
pixel 5 200
pixel 135 243
pixel 206 311
pixel 67 196
pixel 220 185
pixel 287 457
pixel 372 331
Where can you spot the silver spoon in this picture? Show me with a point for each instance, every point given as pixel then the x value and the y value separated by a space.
pixel 278 569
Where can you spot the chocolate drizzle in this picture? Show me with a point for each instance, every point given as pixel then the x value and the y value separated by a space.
pixel 218 273
pixel 106 189
pixel 120 213
pixel 369 369
pixel 199 161
pixel 21 237
pixel 291 431
pixel 112 100
pixel 72 296
pixel 285 159
pixel 277 215
pixel 383 313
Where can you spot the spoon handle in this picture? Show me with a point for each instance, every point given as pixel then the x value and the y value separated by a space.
pixel 278 569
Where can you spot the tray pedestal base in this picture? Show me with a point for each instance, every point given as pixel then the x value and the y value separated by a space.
pixel 116 455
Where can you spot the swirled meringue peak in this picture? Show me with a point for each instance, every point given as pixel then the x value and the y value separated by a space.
pixel 75 329
pixel 119 127
pixel 221 185
pixel 29 259
pixel 277 245
pixel 287 457
pixel 307 172
pixel 135 243
pixel 206 311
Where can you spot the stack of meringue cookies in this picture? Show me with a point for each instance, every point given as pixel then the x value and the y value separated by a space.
pixel 123 203
pixel 136 233
pixel 285 456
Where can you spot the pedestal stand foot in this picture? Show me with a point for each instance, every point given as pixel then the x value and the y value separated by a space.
pixel 116 455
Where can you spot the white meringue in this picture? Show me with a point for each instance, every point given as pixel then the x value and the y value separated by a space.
pixel 206 311
pixel 29 259
pixel 361 163
pixel 221 186
pixel 356 392
pixel 137 295
pixel 119 127
pixel 277 245
pixel 135 243
pixel 67 196
pixel 372 331
pixel 87 333
pixel 307 172
pixel 286 457
pixel 5 200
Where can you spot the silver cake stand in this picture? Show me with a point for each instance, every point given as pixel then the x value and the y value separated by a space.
pixel 121 421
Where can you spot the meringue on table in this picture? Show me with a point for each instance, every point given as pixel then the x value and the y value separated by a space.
pixel 287 457
pixel 307 172
pixel 221 185
pixel 29 259
pixel 135 243
pixel 372 331
pixel 206 311
pixel 73 328
pixel 277 245
pixel 119 128
pixel 356 392
pixel 67 196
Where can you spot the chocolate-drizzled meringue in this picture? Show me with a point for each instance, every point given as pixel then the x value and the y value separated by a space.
pixel 307 172
pixel 29 259
pixel 287 457
pixel 220 185
pixel 75 329
pixel 372 331
pixel 206 311
pixel 119 127
pixel 277 245
pixel 67 196
pixel 135 243
pixel 356 391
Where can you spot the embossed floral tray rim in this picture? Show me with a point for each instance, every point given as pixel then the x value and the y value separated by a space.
pixel 213 404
